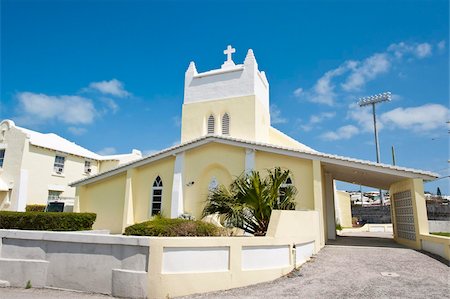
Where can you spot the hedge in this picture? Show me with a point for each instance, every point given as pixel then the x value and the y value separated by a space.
pixel 47 221
pixel 35 208
pixel 164 227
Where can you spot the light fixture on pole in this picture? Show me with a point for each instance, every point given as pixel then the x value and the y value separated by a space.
pixel 373 100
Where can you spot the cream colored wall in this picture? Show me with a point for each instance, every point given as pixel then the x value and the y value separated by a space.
pixel 39 163
pixel 241 111
pixel 285 229
pixel 279 138
pixel 302 175
pixel 13 143
pixel 107 165
pixel 201 164
pixel 106 199
pixel 343 208
pixel 143 180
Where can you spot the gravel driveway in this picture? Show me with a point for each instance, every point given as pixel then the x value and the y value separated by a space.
pixel 352 268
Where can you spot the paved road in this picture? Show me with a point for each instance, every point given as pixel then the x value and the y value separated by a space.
pixel 351 268
pixel 348 268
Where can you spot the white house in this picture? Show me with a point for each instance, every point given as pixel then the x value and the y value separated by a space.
pixel 37 167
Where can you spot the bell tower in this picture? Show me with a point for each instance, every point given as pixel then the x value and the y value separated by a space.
pixel 230 101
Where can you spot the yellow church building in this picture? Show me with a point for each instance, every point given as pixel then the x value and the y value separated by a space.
pixel 225 132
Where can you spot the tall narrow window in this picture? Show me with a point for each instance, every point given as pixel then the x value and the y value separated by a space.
pixel 211 124
pixel 156 196
pixel 283 187
pixel 225 124
pixel 87 167
pixel 2 157
pixel 58 166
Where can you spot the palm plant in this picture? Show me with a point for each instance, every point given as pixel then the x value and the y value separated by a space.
pixel 250 199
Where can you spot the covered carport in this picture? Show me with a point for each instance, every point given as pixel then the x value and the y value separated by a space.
pixel 405 185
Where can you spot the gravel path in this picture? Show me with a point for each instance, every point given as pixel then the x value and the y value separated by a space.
pixel 351 268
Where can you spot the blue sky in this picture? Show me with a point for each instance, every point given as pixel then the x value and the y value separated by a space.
pixel 109 75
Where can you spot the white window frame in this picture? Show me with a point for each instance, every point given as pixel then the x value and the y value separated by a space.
pixel 2 157
pixel 58 166
pixel 87 167
pixel 155 189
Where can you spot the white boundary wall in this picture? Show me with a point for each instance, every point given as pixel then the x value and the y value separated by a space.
pixel 157 267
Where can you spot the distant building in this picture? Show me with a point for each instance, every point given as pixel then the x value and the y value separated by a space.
pixel 37 167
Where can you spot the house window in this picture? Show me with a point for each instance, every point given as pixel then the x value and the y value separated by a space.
pixel 156 197
pixel 54 195
pixel 2 157
pixel 283 187
pixel 58 167
pixel 211 124
pixel 225 124
pixel 87 167
pixel 213 184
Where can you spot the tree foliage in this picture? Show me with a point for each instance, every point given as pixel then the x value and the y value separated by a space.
pixel 248 202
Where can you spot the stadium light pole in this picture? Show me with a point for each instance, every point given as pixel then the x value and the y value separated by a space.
pixel 373 100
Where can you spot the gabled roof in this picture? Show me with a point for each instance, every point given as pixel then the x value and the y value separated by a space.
pixel 299 153
pixel 57 143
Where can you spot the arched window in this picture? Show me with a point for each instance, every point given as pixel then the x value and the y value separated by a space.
pixel 211 124
pixel 225 124
pixel 283 188
pixel 156 197
pixel 213 184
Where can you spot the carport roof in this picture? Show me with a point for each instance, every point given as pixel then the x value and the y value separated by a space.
pixel 351 170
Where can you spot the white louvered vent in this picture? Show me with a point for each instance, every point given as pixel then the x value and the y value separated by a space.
pixel 226 124
pixel 211 123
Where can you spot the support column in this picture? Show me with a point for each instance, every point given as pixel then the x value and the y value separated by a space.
pixel 249 160
pixel 21 202
pixel 409 212
pixel 330 212
pixel 177 205
pixel 128 208
pixel 318 198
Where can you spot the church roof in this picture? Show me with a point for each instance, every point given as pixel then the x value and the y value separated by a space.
pixel 328 159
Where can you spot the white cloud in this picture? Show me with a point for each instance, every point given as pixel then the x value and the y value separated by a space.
pixel 176 120
pixel 76 130
pixel 419 119
pixel 275 115
pixel 345 132
pixel 110 104
pixel 107 151
pixel 418 50
pixel 298 92
pixel 39 108
pixel 316 119
pixel 441 45
pixel 363 116
pixel 112 87
pixel 366 70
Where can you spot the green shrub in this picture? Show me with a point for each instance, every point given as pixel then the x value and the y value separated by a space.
pixel 338 227
pixel 164 227
pixel 46 221
pixel 442 234
pixel 35 208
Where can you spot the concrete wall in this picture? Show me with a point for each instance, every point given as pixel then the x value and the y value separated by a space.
pixel 437 226
pixel 438 245
pixel 372 214
pixel 154 267
pixel 343 208
pixel 77 261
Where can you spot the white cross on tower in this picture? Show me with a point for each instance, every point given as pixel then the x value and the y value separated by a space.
pixel 230 50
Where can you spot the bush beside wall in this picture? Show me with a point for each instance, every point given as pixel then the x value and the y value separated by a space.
pixel 164 227
pixel 35 208
pixel 47 221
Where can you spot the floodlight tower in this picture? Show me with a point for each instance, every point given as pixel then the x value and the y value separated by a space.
pixel 373 100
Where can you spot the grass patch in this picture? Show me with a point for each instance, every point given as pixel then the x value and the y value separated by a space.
pixel 443 234
pixel 165 227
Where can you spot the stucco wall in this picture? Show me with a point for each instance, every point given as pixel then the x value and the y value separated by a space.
pixel 343 208
pixel 106 199
pixel 142 187
pixel 202 164
pixel 302 175
pixel 241 111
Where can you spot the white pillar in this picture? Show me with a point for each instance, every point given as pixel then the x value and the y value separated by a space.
pixel 22 191
pixel 329 197
pixel 176 208
pixel 249 160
